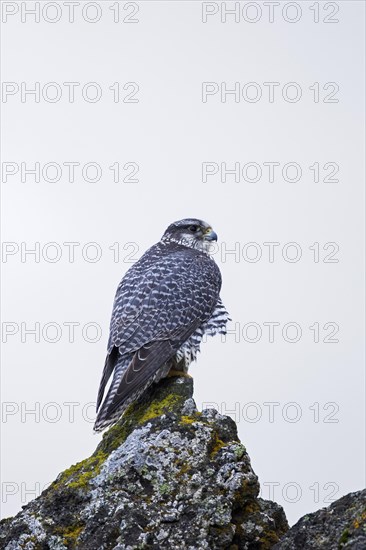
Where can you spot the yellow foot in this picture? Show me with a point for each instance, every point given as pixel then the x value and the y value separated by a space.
pixel 180 373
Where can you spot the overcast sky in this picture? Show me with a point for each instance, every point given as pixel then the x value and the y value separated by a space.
pixel 158 111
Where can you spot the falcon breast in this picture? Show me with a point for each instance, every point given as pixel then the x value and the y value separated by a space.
pixel 164 305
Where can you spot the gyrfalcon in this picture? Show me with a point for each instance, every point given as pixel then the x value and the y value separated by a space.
pixel 163 306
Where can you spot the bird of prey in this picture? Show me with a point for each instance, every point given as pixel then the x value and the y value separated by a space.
pixel 163 306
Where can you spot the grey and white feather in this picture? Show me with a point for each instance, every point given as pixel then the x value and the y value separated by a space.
pixel 164 305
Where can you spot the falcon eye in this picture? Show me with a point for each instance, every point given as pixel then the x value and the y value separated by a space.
pixel 193 228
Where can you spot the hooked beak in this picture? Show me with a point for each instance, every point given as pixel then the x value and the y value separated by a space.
pixel 210 235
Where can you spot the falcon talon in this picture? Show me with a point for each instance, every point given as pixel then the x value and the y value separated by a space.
pixel 179 373
pixel 164 305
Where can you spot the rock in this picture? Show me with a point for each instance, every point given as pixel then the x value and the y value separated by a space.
pixel 164 477
pixel 340 526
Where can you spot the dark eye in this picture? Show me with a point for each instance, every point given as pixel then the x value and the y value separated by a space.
pixel 193 228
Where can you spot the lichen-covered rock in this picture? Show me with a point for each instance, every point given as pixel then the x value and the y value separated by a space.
pixel 340 526
pixel 165 476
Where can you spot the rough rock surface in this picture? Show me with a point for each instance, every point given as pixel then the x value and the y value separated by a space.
pixel 340 526
pixel 166 476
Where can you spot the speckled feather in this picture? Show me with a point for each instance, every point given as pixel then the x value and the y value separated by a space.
pixel 163 306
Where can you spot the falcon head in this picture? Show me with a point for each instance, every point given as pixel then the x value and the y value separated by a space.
pixel 190 232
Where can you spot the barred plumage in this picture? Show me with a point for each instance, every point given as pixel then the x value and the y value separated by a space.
pixel 163 306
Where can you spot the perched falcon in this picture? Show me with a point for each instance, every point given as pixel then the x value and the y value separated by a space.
pixel 164 305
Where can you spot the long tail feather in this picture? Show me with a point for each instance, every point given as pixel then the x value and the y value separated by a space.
pixel 133 374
